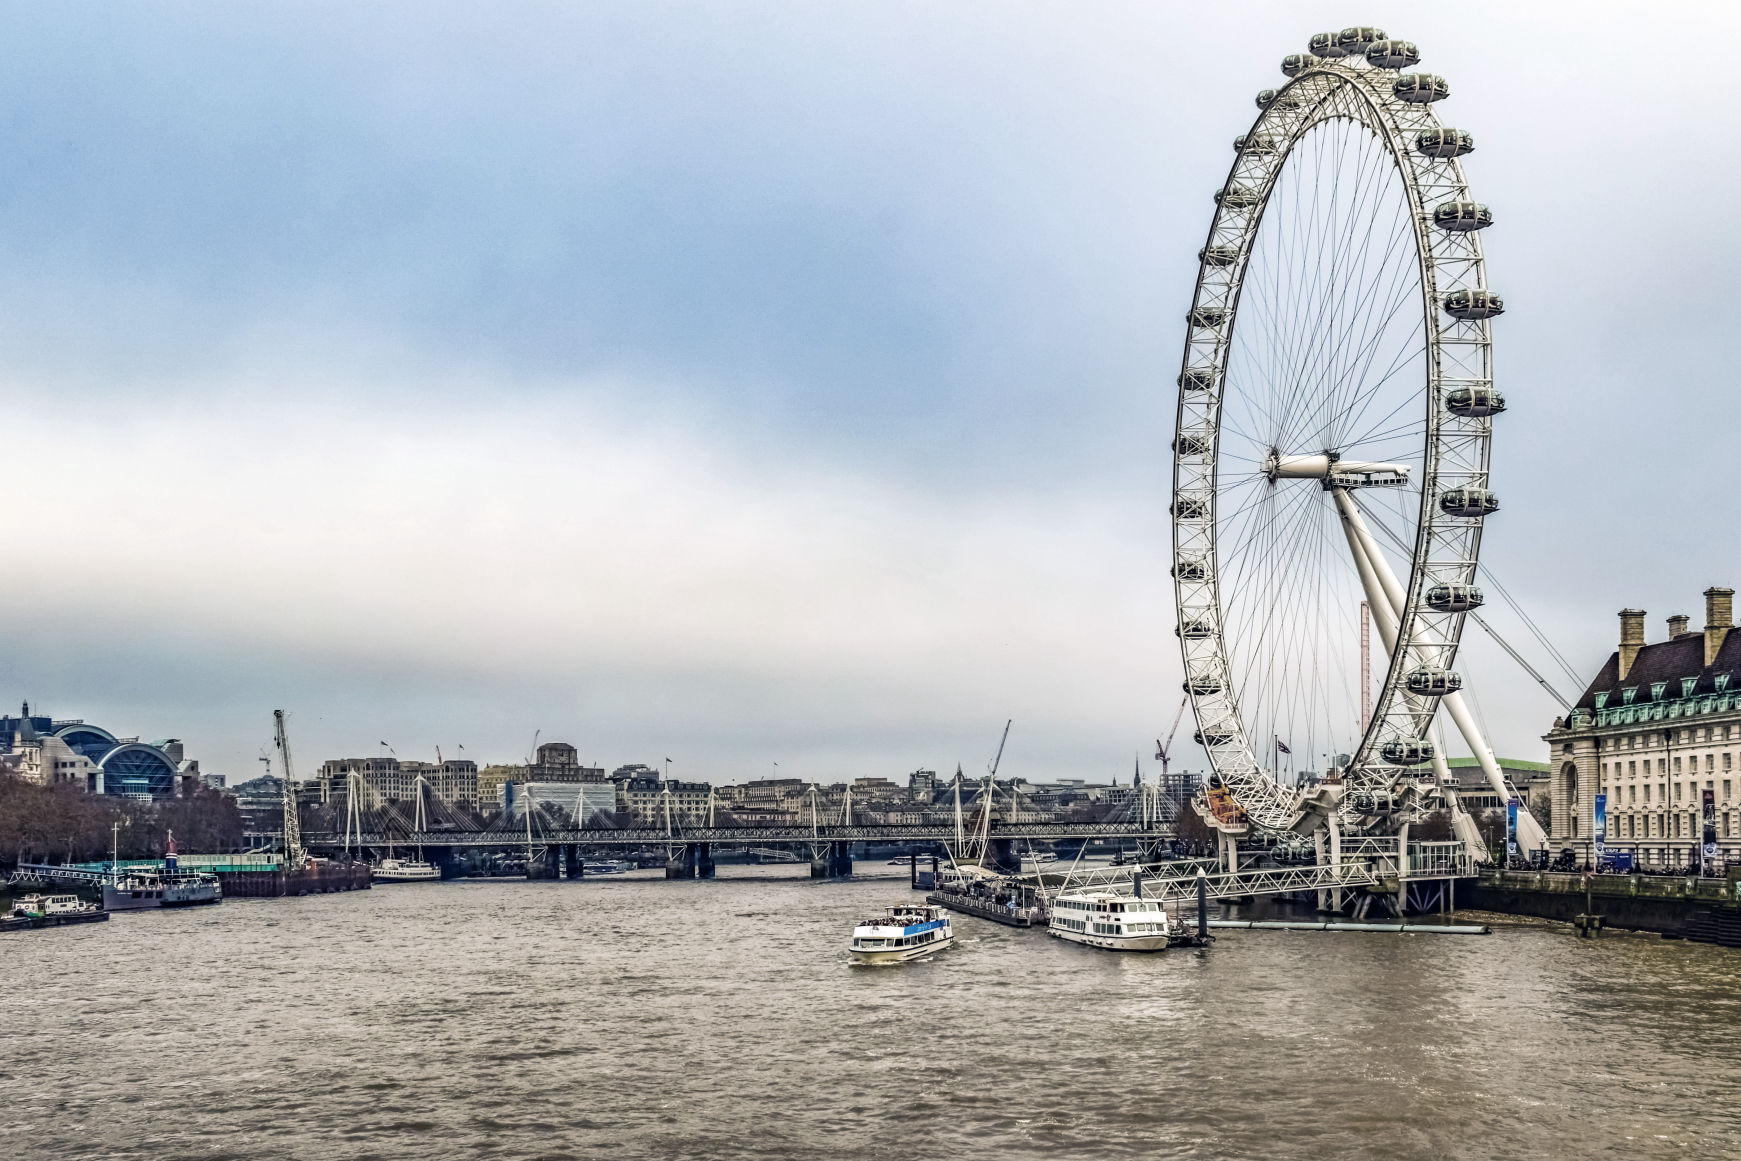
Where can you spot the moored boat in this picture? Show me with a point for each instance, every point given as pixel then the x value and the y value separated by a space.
pixel 900 934
pixel 141 888
pixel 405 871
pixel 606 866
pixel 47 906
pixel 1110 921
pixel 51 911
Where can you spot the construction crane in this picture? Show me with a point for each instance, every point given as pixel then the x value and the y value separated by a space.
pixel 1164 750
pixel 1000 746
pixel 293 853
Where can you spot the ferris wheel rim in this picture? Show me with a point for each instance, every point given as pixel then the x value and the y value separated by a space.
pixel 1445 545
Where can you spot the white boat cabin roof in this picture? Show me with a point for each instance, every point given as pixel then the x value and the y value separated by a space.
pixel 1107 901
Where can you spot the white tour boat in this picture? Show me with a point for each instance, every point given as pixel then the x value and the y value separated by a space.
pixel 405 871
pixel 1112 921
pixel 901 934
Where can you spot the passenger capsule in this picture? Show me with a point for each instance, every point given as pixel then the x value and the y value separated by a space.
pixel 1473 305
pixel 1190 570
pixel 1392 54
pixel 1206 316
pixel 1218 255
pixel 1474 402
pixel 1406 751
pixel 1372 802
pixel 1324 44
pixel 1191 508
pixel 1454 598
pixel 1462 217
pixel 1195 628
pixel 1196 379
pixel 1355 41
pixel 1268 97
pixel 1203 686
pixel 1469 503
pixel 1420 88
pixel 1296 63
pixel 1213 738
pixel 1191 445
pixel 1444 143
pixel 1237 197
pixel 1254 143
pixel 1431 681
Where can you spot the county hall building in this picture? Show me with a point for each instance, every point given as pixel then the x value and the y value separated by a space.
pixel 1658 727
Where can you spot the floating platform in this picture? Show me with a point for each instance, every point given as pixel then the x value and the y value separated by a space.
pixel 981 909
pixel 1334 925
pixel 53 921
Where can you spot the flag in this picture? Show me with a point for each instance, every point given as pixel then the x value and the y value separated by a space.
pixel 1282 747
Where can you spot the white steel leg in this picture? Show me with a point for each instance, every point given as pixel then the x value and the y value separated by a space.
pixel 1371 562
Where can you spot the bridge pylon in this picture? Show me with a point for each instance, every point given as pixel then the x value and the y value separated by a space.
pixel 831 860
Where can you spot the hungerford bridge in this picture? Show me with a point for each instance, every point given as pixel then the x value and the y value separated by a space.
pixel 552 843
pixel 1415 874
pixel 1365 866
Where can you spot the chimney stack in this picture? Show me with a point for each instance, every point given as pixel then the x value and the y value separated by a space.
pixel 1631 638
pixel 1719 619
pixel 1677 626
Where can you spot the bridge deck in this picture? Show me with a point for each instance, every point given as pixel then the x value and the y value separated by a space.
pixel 737 835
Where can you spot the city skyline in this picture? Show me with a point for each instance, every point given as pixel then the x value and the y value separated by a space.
pixel 778 386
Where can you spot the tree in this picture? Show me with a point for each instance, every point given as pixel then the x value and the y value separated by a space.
pixel 1542 810
pixel 63 823
pixel 1189 827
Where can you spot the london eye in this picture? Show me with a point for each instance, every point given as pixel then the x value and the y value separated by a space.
pixel 1336 408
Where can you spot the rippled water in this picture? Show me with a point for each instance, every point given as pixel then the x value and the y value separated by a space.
pixel 640 1018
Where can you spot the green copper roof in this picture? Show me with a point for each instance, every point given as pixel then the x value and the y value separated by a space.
pixel 1504 764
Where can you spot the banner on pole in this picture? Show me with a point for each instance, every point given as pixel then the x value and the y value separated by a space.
pixel 1708 815
pixel 1599 831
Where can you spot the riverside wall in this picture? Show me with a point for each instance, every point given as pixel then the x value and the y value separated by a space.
pixel 1671 905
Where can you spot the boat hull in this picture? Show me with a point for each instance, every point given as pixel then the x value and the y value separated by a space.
pixel 901 954
pixel 173 895
pixel 1156 942
pixel 23 923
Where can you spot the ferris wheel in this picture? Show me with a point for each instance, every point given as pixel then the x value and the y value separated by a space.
pixel 1336 406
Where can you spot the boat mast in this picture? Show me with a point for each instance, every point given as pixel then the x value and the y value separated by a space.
pixel 293 854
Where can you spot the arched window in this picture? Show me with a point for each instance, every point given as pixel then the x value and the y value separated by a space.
pixel 133 770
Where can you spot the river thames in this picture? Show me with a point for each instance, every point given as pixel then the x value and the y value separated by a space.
pixel 638 1018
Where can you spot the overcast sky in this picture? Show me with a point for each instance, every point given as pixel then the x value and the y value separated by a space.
pixel 762 383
